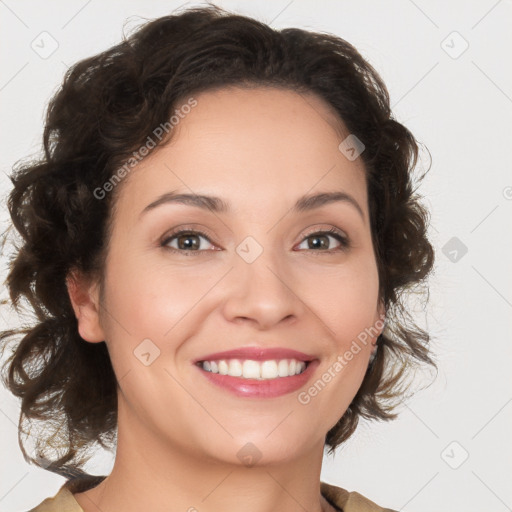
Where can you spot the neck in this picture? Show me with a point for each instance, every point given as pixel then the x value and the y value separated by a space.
pixel 149 474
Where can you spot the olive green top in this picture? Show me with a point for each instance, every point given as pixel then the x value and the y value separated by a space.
pixel 64 500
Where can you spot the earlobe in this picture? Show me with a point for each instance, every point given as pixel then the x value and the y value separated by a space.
pixel 381 317
pixel 379 324
pixel 84 297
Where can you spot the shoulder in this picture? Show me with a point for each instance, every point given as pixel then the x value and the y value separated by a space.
pixel 349 501
pixel 346 501
pixel 63 500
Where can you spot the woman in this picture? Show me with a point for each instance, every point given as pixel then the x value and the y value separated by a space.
pixel 215 242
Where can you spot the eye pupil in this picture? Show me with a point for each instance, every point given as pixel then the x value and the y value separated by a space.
pixel 324 242
pixel 187 246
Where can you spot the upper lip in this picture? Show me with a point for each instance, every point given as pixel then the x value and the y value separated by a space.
pixel 257 354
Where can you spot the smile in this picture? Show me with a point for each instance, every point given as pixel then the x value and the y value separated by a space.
pixel 258 379
pixel 249 369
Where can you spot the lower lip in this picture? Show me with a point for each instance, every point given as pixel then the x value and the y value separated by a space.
pixel 255 388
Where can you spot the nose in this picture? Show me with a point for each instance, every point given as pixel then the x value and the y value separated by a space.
pixel 263 293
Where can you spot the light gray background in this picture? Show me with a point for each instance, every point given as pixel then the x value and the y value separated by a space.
pixel 459 106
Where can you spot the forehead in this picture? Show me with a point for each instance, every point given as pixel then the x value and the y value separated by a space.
pixel 260 145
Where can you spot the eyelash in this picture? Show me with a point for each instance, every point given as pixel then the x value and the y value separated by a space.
pixel 343 240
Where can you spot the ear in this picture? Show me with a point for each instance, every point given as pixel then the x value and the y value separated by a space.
pixel 379 322
pixel 84 297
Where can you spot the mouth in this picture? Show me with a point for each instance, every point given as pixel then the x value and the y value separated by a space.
pixel 258 370
pixel 257 379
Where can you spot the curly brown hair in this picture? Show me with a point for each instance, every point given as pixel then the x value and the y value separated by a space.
pixel 105 109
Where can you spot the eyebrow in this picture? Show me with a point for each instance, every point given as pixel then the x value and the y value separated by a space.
pixel 218 205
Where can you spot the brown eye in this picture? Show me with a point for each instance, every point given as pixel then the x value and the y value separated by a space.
pixel 322 240
pixel 185 240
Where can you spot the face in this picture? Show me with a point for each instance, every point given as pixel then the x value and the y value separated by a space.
pixel 260 273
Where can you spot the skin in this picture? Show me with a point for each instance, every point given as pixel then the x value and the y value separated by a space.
pixel 259 149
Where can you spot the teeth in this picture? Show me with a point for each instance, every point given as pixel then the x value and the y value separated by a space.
pixel 261 370
pixel 235 368
pixel 269 370
pixel 223 368
pixel 282 368
pixel 251 369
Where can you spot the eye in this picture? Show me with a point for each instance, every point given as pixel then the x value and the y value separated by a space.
pixel 185 241
pixel 188 241
pixel 321 239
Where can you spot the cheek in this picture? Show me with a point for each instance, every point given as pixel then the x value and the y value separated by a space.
pixel 348 307
pixel 346 300
pixel 145 304
pixel 151 298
